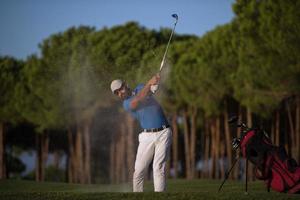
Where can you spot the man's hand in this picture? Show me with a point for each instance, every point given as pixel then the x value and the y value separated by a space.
pixel 154 80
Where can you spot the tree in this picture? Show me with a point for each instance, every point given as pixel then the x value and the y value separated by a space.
pixel 9 75
pixel 267 72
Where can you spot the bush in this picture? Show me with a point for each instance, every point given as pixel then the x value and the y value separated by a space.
pixel 55 174
pixel 52 174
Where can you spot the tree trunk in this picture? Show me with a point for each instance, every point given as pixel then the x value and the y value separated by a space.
pixel 71 157
pixel 38 160
pixel 250 124
pixel 206 167
pixel 87 152
pixel 297 132
pixel 175 145
pixel 228 138
pixel 277 129
pixel 168 167
pixel 119 154
pixel 273 122
pixel 130 147
pixel 67 163
pixel 217 148
pixel 249 118
pixel 112 167
pixel 117 159
pixel 79 156
pixel 123 154
pixel 193 142
pixel 2 152
pixel 186 146
pixel 222 159
pixel 42 146
pixel 238 135
pixel 289 135
pixel 45 151
pixel 213 149
pixel 56 159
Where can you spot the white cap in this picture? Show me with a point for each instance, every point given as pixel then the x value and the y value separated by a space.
pixel 115 85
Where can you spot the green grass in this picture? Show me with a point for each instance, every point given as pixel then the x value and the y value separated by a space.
pixel 176 189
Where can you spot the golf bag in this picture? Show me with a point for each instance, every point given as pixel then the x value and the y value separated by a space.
pixel 272 164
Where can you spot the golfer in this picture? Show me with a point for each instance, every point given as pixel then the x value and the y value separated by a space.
pixel 155 138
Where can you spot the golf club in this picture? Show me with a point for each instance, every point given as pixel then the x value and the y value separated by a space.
pixel 154 88
pixel 166 51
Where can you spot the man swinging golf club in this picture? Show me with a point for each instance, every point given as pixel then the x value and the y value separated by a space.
pixel 155 139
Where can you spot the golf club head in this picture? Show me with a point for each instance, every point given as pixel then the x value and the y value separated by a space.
pixel 175 16
pixel 233 119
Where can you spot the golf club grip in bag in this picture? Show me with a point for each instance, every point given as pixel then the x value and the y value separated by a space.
pixel 272 164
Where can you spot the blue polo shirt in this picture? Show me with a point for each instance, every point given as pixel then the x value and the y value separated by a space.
pixel 149 113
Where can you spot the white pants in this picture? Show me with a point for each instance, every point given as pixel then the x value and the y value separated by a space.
pixel 152 145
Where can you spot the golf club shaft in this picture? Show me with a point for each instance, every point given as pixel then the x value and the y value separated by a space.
pixel 227 174
pixel 166 51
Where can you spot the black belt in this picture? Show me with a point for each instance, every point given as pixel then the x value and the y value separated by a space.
pixel 157 129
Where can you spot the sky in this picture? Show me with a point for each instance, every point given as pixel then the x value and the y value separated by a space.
pixel 26 23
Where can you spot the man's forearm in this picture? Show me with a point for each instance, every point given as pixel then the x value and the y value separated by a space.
pixel 140 96
pixel 144 92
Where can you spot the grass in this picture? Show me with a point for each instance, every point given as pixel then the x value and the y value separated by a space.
pixel 177 189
